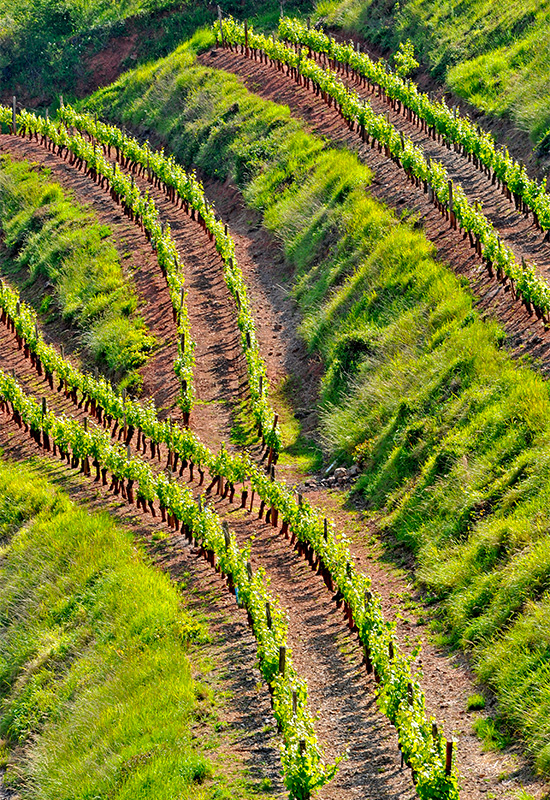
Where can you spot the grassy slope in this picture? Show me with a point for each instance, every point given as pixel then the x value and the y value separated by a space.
pixel 51 236
pixel 453 434
pixel 495 56
pixel 96 655
pixel 46 46
pixel 41 41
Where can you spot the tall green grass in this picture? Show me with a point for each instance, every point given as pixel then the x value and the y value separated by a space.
pixel 97 661
pixel 496 57
pixel 50 236
pixel 453 435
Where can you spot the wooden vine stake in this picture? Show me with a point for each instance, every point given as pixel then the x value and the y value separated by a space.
pixel 448 758
pixel 452 216
pixel 221 25
pixel 226 536
pixel 13 115
pixel 282 660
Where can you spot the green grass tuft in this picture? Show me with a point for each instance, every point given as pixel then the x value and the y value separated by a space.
pixel 476 702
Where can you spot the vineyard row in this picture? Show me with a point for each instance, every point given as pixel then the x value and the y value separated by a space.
pixel 399 693
pixel 435 118
pixel 431 175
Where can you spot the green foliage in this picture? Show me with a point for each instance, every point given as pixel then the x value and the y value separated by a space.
pixel 42 42
pixel 95 656
pixel 51 236
pixel 404 59
pixel 495 58
pixel 453 434
pixel 491 732
pixel 476 702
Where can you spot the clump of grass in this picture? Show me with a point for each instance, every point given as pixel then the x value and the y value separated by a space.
pixel 492 734
pixel 49 235
pixel 476 702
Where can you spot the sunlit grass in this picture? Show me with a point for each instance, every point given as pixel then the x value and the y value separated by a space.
pixel 98 661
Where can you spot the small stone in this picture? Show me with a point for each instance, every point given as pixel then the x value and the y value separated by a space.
pixel 340 474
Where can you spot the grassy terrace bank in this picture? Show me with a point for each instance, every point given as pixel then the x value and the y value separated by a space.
pixel 97 661
pixel 48 47
pixel 496 58
pixel 51 238
pixel 452 434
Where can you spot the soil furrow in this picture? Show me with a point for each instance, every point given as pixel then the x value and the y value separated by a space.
pixel 525 333
pixel 324 651
pixel 220 376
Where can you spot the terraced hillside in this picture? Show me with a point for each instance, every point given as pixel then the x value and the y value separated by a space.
pixel 333 435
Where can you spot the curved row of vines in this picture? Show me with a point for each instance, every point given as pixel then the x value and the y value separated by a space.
pixel 399 693
pixel 437 117
pixel 450 199
pixel 141 209
pixel 186 189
